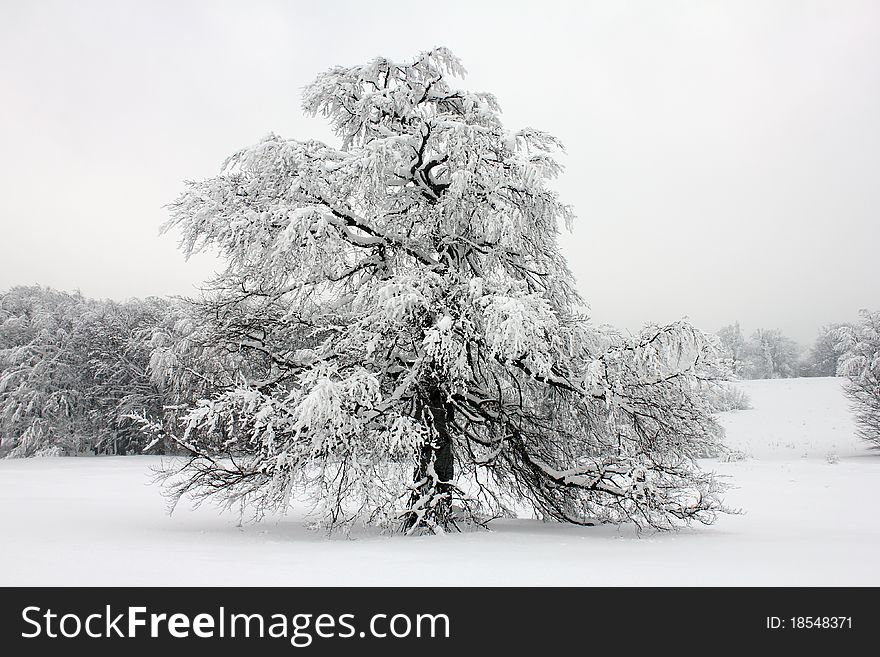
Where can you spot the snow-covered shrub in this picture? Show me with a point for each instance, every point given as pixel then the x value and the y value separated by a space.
pixel 733 456
pixel 728 397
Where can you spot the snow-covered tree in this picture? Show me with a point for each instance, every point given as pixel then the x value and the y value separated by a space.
pixel 733 347
pixel 823 357
pixel 404 318
pixel 771 355
pixel 196 350
pixel 861 363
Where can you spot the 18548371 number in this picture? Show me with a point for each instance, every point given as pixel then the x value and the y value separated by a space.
pixel 809 623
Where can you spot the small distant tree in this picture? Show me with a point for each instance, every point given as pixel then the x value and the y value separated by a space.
pixel 733 347
pixel 861 364
pixel 409 351
pixel 824 355
pixel 771 355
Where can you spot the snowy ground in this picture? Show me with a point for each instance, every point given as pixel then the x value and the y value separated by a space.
pixel 807 521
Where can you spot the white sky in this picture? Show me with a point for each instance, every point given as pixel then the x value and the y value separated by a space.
pixel 724 157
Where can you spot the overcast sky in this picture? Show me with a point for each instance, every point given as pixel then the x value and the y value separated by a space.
pixel 723 157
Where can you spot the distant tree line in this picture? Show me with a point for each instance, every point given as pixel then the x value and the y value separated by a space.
pixel 841 349
pixel 769 354
pixel 72 370
pixel 88 376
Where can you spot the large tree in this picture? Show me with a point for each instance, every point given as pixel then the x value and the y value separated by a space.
pixel 407 319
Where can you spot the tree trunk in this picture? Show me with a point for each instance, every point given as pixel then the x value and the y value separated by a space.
pixel 433 496
pixel 440 414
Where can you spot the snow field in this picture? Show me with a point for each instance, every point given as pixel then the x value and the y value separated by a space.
pixel 808 488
